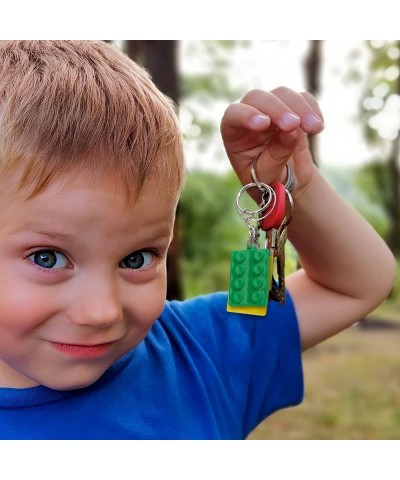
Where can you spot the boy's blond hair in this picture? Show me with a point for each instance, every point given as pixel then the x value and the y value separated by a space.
pixel 71 106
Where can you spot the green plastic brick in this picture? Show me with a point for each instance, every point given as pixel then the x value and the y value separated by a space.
pixel 249 278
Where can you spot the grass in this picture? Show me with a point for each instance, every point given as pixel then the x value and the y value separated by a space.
pixel 352 386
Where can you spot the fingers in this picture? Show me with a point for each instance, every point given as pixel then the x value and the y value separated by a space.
pixel 314 104
pixel 287 109
pixel 275 123
pixel 241 117
pixel 259 112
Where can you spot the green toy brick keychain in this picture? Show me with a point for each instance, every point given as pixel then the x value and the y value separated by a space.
pixel 249 281
pixel 251 268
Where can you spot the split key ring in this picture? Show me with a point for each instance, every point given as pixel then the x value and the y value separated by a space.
pixel 290 179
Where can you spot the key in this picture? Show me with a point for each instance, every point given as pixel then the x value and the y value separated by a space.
pixel 271 223
pixel 271 245
pixel 277 292
pixel 282 237
pixel 281 242
pixel 276 234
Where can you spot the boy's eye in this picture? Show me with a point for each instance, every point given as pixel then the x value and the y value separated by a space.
pixel 136 260
pixel 49 259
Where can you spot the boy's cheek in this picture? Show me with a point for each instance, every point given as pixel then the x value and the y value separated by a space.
pixel 26 307
pixel 22 303
pixel 19 321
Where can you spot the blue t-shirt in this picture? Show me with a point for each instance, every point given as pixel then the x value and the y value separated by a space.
pixel 201 373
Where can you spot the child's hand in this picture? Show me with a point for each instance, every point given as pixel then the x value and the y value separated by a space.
pixel 276 123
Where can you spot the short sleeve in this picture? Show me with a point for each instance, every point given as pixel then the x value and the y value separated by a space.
pixel 252 364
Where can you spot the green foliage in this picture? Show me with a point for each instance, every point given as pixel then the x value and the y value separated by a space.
pixel 373 179
pixel 395 295
pixel 353 73
pixel 208 86
pixel 366 190
pixel 381 84
pixel 207 82
pixel 211 82
pixel 210 229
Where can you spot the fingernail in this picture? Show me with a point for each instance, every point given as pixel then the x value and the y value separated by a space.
pixel 289 119
pixel 311 120
pixel 259 120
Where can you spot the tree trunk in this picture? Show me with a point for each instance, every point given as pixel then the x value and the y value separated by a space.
pixel 394 176
pixel 159 57
pixel 133 48
pixel 394 207
pixel 312 71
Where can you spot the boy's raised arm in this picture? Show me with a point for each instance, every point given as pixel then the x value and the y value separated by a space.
pixel 347 269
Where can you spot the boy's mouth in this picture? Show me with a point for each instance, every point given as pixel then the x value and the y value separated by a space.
pixel 83 351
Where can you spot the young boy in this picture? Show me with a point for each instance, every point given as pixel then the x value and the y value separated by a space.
pixel 91 167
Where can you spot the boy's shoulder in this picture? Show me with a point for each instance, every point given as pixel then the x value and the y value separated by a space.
pixel 250 355
pixel 205 319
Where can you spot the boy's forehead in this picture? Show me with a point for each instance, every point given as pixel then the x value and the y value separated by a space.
pixel 80 196
pixel 110 229
pixel 19 184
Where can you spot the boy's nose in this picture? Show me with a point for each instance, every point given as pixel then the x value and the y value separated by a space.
pixel 98 304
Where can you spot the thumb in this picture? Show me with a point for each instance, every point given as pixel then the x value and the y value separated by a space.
pixel 272 161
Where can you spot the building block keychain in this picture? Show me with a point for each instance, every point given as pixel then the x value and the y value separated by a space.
pixel 250 276
pixel 249 281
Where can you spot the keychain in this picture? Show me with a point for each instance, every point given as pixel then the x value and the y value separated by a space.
pixel 251 282
pixel 250 278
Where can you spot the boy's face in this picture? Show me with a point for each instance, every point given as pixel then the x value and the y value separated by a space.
pixel 82 279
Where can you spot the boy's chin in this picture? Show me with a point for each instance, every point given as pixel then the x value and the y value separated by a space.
pixel 65 382
pixel 64 386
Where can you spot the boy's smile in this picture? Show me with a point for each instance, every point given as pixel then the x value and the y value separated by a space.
pixel 82 278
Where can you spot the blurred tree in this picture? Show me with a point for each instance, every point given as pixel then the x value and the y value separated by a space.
pixel 380 111
pixel 312 72
pixel 159 57
pixel 204 83
pixel 211 229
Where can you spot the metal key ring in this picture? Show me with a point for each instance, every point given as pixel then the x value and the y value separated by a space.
pixel 290 178
pixel 253 171
pixel 253 214
pixel 288 219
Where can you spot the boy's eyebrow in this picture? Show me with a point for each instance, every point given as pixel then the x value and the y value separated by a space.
pixel 47 233
pixel 70 238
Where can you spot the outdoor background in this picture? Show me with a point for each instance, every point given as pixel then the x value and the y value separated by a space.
pixel 351 381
